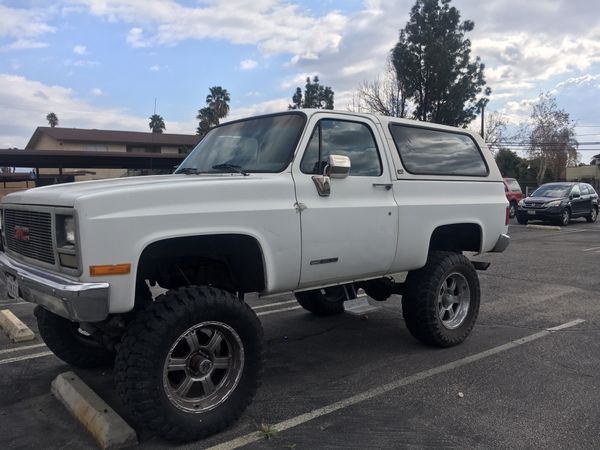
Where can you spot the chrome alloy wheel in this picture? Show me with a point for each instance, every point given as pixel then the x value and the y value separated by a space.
pixel 453 300
pixel 203 367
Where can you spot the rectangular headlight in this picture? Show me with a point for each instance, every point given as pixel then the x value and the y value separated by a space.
pixel 65 231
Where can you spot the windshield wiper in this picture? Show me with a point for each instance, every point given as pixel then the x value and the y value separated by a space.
pixel 230 168
pixel 188 171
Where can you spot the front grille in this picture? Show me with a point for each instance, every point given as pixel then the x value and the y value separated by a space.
pixel 534 205
pixel 29 233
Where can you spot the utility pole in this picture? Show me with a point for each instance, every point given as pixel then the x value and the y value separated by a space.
pixel 482 119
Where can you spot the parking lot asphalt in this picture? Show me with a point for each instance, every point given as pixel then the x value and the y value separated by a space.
pixel 363 382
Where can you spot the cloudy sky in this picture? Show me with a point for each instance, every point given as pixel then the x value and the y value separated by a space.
pixel 101 63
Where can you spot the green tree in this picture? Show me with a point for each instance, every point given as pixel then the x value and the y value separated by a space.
pixel 217 108
pixel 510 164
pixel 433 64
pixel 157 123
pixel 315 96
pixel 551 138
pixel 52 119
pixel 218 101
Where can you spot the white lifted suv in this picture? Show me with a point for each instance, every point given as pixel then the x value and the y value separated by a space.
pixel 315 202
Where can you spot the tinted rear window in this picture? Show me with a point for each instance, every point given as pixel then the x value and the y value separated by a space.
pixel 513 185
pixel 434 152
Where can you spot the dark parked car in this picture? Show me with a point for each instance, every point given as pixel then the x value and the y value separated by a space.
pixel 559 203
pixel 514 194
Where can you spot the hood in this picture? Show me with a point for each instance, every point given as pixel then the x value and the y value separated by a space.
pixel 68 194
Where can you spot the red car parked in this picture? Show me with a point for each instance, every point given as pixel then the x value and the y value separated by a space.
pixel 513 194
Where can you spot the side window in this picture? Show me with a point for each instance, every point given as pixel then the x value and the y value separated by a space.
pixel 584 189
pixel 340 137
pixel 575 190
pixel 591 189
pixel 434 152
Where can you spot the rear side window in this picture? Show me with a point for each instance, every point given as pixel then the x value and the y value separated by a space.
pixel 434 152
pixel 585 190
pixel 591 189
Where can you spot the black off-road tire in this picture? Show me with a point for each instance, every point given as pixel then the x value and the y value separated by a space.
pixel 323 302
pixel 420 300
pixel 521 220
pixel 593 216
pixel 512 210
pixel 68 343
pixel 147 342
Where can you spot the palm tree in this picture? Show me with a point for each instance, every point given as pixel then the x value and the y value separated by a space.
pixel 218 101
pixel 157 123
pixel 52 119
pixel 207 119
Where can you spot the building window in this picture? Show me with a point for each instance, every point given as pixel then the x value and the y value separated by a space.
pixel 143 148
pixel 96 148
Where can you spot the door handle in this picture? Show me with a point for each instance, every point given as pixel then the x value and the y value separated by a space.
pixel 387 186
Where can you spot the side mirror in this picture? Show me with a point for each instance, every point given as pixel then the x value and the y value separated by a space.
pixel 575 195
pixel 338 166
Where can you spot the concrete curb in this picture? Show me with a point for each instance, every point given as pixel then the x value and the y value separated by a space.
pixel 108 428
pixel 16 330
pixel 544 227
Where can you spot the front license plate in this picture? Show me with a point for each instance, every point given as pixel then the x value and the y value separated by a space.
pixel 531 213
pixel 12 286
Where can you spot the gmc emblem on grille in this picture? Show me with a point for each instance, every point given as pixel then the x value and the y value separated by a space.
pixel 21 233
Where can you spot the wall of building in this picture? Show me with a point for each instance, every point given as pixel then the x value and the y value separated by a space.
pixel 15 186
pixel 589 174
pixel 49 143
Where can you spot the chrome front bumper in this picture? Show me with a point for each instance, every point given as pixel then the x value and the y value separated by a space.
pixel 79 302
pixel 502 243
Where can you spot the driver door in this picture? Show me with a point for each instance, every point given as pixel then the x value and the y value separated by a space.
pixel 352 232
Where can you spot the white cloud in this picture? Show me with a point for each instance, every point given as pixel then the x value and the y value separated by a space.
pixel 82 63
pixel 23 44
pixel 23 23
pixel 297 80
pixel 80 50
pixel 270 106
pixel 24 104
pixel 248 64
pixel 158 68
pixel 97 92
pixel 275 26
pixel 136 38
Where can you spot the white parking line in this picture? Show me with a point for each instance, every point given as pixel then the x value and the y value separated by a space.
pixel 380 390
pixel 23 358
pixel 14 303
pixel 278 304
pixel 266 313
pixel 23 347
pixel 590 249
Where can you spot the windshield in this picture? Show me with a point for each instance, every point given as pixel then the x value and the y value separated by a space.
pixel 263 144
pixel 552 190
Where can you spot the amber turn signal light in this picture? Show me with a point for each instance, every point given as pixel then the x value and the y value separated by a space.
pixel 110 269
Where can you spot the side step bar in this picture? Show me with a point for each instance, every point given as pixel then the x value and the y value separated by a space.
pixel 481 265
